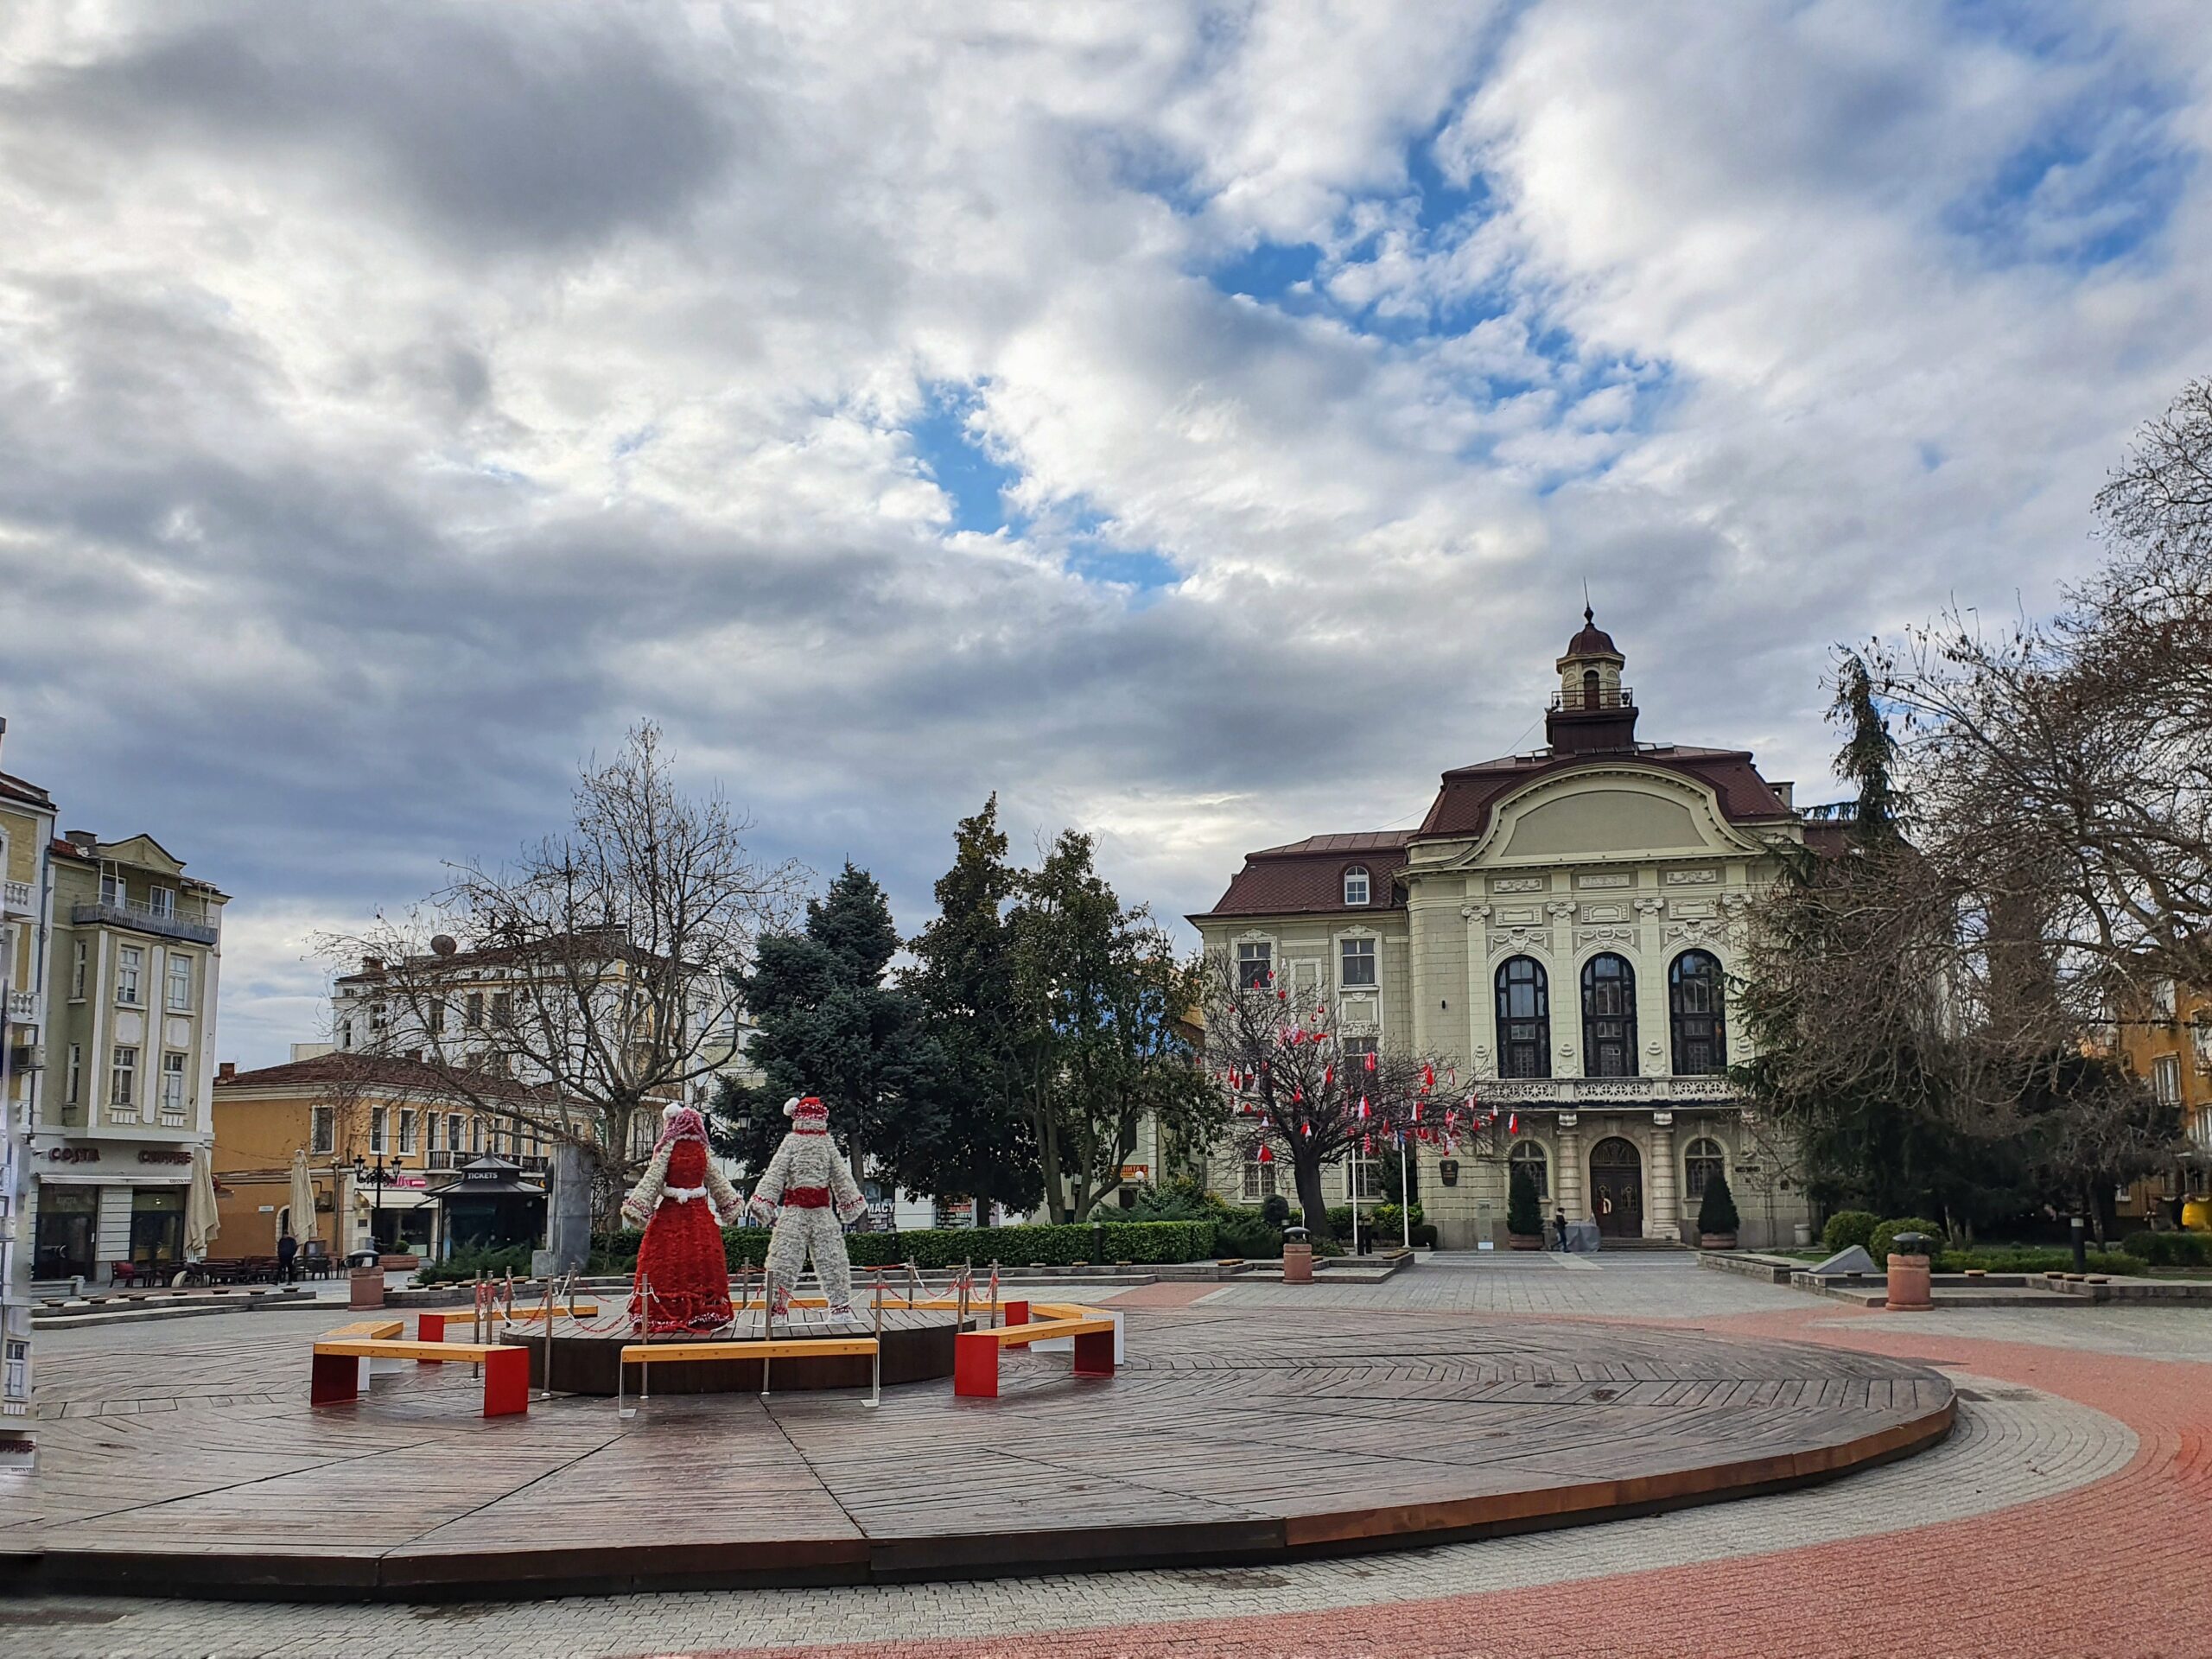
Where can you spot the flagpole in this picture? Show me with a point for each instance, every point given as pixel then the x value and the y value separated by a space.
pixel 1405 1189
pixel 18 1449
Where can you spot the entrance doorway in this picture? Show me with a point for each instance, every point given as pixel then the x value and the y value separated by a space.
pixel 1616 1188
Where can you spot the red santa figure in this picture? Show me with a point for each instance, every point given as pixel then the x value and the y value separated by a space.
pixel 683 1282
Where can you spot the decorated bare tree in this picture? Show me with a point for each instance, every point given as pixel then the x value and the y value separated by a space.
pixel 599 966
pixel 1303 1094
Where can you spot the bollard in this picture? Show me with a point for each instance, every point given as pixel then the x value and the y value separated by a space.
pixel 1908 1280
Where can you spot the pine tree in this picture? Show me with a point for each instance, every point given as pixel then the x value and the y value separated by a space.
pixel 1523 1215
pixel 827 1024
pixel 961 982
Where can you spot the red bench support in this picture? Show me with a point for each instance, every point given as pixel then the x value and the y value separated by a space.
pixel 429 1327
pixel 1094 1354
pixel 975 1365
pixel 506 1382
pixel 336 1378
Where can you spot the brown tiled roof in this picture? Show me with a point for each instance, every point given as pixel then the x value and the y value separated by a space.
pixel 383 1070
pixel 1827 838
pixel 17 789
pixel 1462 803
pixel 1309 875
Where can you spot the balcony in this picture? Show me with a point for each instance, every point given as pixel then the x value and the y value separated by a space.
pixel 1572 1094
pixel 137 914
pixel 18 898
pixel 1584 701
pixel 22 1007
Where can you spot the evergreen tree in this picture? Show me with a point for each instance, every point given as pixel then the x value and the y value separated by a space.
pixel 1523 1215
pixel 962 983
pixel 1716 1211
pixel 827 1024
pixel 1102 1002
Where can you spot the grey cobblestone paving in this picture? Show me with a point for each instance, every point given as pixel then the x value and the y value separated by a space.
pixel 2013 1445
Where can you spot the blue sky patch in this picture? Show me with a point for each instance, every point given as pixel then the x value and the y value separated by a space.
pixel 971 480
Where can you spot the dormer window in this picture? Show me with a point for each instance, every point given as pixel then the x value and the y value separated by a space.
pixel 1356 885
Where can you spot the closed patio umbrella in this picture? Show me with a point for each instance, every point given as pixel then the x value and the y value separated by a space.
pixel 200 1225
pixel 300 1223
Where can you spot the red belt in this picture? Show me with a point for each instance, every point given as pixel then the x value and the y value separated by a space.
pixel 807 1198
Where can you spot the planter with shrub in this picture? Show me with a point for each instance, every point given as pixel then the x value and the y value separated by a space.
pixel 1717 1220
pixel 1524 1217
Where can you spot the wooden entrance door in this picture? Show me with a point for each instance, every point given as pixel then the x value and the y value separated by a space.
pixel 1616 1188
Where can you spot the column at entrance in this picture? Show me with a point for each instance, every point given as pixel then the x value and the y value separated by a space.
pixel 1566 1181
pixel 1665 1220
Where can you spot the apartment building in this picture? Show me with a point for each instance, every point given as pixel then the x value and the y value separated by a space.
pixel 122 1096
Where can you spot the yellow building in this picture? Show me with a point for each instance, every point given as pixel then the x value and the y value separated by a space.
pixel 26 924
pixel 1557 934
pixel 2171 1050
pixel 132 972
pixel 354 1114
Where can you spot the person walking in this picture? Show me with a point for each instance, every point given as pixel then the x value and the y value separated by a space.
pixel 1559 1222
pixel 288 1251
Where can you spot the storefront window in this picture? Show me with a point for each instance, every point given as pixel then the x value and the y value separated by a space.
pixel 68 1224
pixel 158 1227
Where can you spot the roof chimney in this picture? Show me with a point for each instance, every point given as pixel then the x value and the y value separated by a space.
pixel 4 728
pixel 226 1072
pixel 372 964
pixel 83 840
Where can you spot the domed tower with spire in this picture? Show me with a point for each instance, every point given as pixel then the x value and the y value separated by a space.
pixel 1592 712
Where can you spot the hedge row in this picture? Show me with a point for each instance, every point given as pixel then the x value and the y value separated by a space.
pixel 1057 1246
pixel 2028 1258
pixel 2171 1249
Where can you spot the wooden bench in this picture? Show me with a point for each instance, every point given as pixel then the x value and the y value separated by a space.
pixel 646 1355
pixel 976 1353
pixel 337 1374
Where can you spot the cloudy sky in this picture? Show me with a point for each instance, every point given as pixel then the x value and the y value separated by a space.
pixel 1194 423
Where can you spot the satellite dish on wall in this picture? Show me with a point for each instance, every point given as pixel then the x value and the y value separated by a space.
pixel 443 945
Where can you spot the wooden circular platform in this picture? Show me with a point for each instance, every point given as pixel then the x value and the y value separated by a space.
pixel 917 1348
pixel 189 1465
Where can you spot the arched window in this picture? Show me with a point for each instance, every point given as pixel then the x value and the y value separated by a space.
pixel 1693 1003
pixel 1701 1160
pixel 1524 1019
pixel 1355 884
pixel 1529 1156
pixel 1608 1018
pixel 1590 693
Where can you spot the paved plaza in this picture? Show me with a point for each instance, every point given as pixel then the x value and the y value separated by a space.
pixel 2070 1510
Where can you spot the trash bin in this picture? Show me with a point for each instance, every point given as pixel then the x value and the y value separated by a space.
pixel 1297 1257
pixel 1908 1281
pixel 365 1288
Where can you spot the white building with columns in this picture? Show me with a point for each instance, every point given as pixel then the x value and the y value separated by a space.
pixel 1560 929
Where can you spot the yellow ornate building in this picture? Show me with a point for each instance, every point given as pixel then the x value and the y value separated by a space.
pixel 2171 1051
pixel 1560 929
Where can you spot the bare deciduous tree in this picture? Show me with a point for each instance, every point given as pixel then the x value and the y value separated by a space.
pixel 597 966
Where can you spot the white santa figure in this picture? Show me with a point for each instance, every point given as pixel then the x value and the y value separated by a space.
pixel 817 1196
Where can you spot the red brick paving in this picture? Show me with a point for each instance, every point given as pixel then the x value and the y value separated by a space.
pixel 1164 1295
pixel 2121 1568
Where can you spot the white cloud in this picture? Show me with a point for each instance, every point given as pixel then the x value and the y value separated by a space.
pixel 398 407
